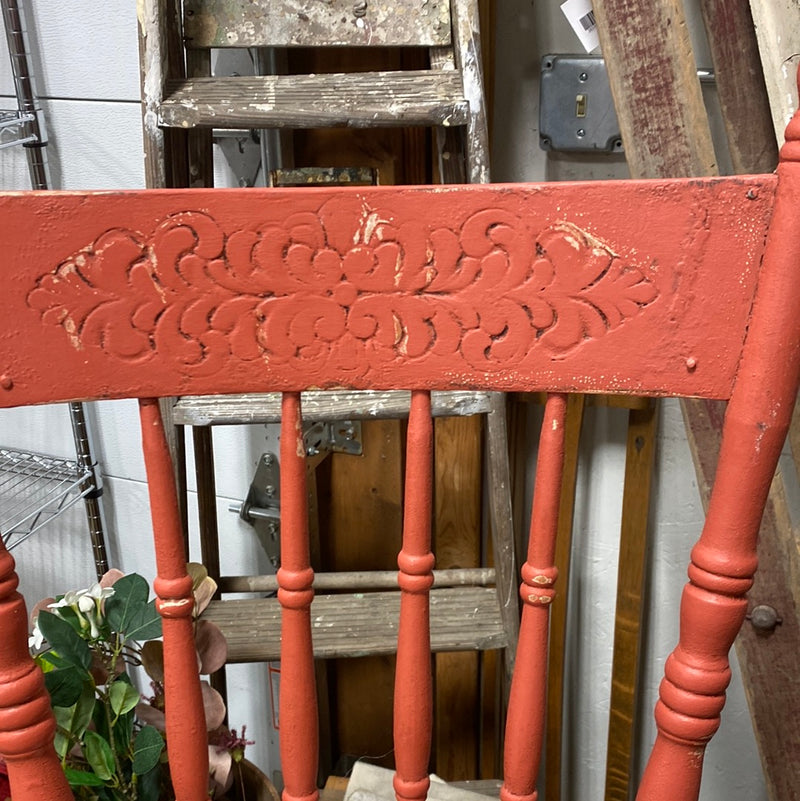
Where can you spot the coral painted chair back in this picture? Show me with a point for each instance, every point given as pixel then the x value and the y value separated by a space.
pixel 654 288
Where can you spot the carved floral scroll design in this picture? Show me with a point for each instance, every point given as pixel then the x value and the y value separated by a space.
pixel 346 286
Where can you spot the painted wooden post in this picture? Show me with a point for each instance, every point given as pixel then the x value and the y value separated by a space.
pixel 413 690
pixel 298 702
pixel 27 725
pixel 526 706
pixel 724 560
pixel 187 740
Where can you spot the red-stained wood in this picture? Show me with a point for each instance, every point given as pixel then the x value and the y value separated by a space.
pixel 526 706
pixel 299 740
pixel 724 560
pixel 413 691
pixel 595 287
pixel 187 740
pixel 27 725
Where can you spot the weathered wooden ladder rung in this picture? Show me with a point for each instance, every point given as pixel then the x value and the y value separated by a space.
pixel 354 100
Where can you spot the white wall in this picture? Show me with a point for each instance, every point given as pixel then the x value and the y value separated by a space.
pixel 86 54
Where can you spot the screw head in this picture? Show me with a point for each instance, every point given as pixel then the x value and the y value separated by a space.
pixel 581 132
pixel 583 77
pixel 764 618
pixel 360 8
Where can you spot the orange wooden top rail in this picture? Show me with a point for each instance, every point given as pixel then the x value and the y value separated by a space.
pixel 573 287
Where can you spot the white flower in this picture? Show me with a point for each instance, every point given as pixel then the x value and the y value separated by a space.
pixel 86 605
pixel 36 639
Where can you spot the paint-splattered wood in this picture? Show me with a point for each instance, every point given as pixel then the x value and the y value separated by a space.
pixel 337 405
pixel 310 23
pixel 595 287
pixel 357 100
pixel 350 624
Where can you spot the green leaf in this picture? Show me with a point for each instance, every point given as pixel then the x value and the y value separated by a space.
pixel 148 785
pixel 72 721
pixel 99 755
pixel 65 685
pixel 123 731
pixel 82 778
pixel 147 748
pixel 64 640
pixel 128 610
pixel 123 697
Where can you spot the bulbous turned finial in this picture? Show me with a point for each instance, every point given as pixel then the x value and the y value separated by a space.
pixel 791 147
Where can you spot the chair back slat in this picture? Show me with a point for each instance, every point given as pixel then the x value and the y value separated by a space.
pixel 413 689
pixel 526 706
pixel 585 287
pixel 27 725
pixel 187 741
pixel 299 742
pixel 280 23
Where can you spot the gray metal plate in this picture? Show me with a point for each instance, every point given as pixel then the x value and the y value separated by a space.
pixel 576 110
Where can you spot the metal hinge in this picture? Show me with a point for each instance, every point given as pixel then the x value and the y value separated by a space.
pixel 262 507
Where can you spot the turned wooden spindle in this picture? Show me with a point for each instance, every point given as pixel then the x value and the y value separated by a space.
pixel 187 739
pixel 413 693
pixel 298 700
pixel 27 725
pixel 724 560
pixel 525 720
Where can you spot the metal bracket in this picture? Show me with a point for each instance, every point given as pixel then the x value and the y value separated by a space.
pixel 339 436
pixel 262 507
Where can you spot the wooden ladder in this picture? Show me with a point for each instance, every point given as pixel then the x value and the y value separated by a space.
pixel 181 108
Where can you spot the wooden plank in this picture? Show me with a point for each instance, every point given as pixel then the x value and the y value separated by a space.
pixel 355 624
pixel 362 100
pixel 328 406
pixel 457 543
pixel 554 734
pixel 777 27
pixel 646 47
pixel 740 85
pixel 228 334
pixel 293 23
pixel 630 604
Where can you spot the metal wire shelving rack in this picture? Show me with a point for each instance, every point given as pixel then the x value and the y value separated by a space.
pixel 34 489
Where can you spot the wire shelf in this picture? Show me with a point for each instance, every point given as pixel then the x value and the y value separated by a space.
pixel 13 129
pixel 34 489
